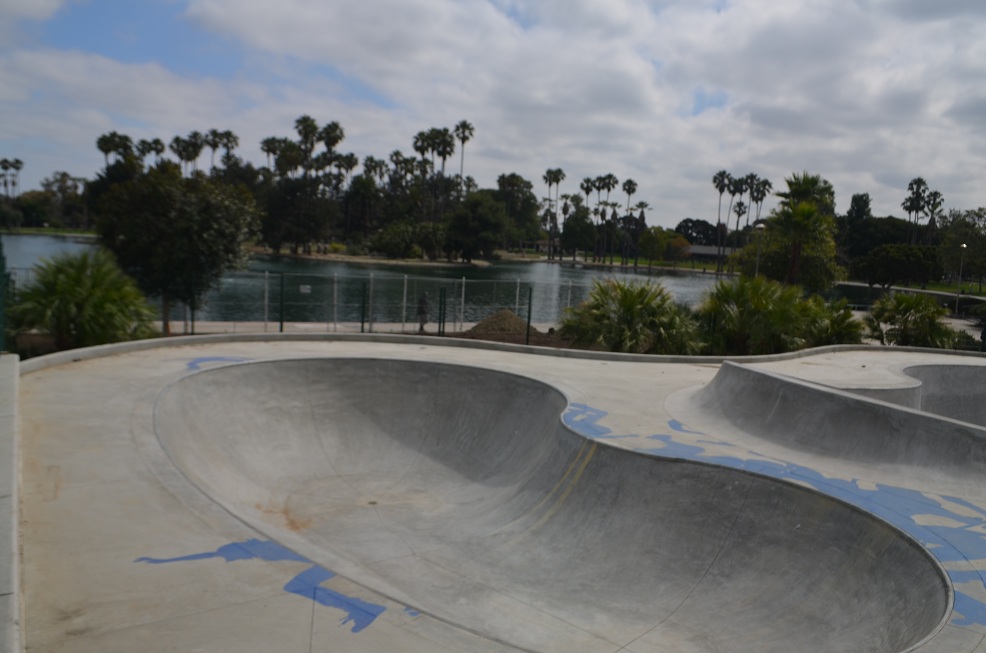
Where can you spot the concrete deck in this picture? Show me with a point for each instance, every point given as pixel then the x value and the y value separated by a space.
pixel 388 494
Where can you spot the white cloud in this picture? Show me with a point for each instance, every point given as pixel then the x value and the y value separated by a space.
pixel 868 93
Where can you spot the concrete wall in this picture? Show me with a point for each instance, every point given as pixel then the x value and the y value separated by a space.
pixel 9 568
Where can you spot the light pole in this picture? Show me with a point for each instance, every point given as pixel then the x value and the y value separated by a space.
pixel 759 227
pixel 959 291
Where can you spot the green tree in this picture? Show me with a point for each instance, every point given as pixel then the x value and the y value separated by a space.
pixel 81 300
pixel 632 318
pixel 175 236
pixel 894 264
pixel 477 226
pixel 910 320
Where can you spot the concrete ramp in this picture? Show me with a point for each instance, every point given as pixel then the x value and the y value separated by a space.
pixel 884 427
pixel 458 491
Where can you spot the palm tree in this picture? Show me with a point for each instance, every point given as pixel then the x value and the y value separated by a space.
pixel 463 131
pixel 16 165
pixel 270 147
pixel 105 144
pixel 910 321
pixel 553 177
pixel 633 318
pixel 229 142
pixel 750 182
pixel 629 187
pixel 5 166
pixel 721 180
pixel 799 225
pixel 809 188
pixel 212 140
pixel 83 299
pixel 759 193
pixel 444 145
pixel 916 203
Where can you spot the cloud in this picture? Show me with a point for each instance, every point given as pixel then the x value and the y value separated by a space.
pixel 867 93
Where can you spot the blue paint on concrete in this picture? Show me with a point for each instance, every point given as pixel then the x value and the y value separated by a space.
pixel 680 428
pixel 249 550
pixel 307 584
pixel 197 363
pixel 956 544
pixel 411 612
pixel 585 420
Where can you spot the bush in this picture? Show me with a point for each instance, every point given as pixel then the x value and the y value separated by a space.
pixel 910 320
pixel 757 316
pixel 80 300
pixel 632 318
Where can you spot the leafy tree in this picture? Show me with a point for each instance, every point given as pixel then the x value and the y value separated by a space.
pixel 175 236
pixel 889 265
pixel 910 320
pixel 477 226
pixel 632 318
pixel 578 232
pixel 81 300
pixel 697 232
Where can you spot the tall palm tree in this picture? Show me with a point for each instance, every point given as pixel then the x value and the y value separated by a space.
pixel 806 187
pixel 721 180
pixel 270 147
pixel 444 145
pixel 750 182
pixel 229 142
pixel 212 140
pixel 331 135
pixel 196 143
pixel 5 167
pixel 463 131
pixel 799 225
pixel 629 187
pixel 16 165
pixel 759 193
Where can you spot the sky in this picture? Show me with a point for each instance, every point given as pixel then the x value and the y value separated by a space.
pixel 866 93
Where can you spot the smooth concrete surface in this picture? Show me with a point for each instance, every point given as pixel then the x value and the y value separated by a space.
pixel 365 495
pixel 9 483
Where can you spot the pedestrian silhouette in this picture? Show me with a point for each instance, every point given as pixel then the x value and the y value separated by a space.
pixel 422 312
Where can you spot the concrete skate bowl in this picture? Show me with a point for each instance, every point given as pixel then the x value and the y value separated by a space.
pixel 458 492
pixel 910 425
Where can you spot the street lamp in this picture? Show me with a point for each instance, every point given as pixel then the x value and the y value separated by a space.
pixel 959 291
pixel 759 227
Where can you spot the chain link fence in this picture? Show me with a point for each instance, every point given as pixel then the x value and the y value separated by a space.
pixel 280 301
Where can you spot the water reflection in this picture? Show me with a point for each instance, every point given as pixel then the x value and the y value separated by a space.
pixel 293 290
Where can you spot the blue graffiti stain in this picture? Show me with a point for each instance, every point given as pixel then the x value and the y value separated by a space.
pixel 411 612
pixel 197 363
pixel 307 584
pixel 898 506
pixel 585 420
pixel 675 425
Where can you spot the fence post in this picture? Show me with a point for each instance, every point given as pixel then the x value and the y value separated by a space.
pixel 462 307
pixel 530 301
pixel 362 308
pixel 517 301
pixel 369 316
pixel 266 298
pixel 404 307
pixel 281 329
pixel 335 301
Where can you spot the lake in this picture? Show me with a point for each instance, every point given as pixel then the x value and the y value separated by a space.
pixel 293 290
